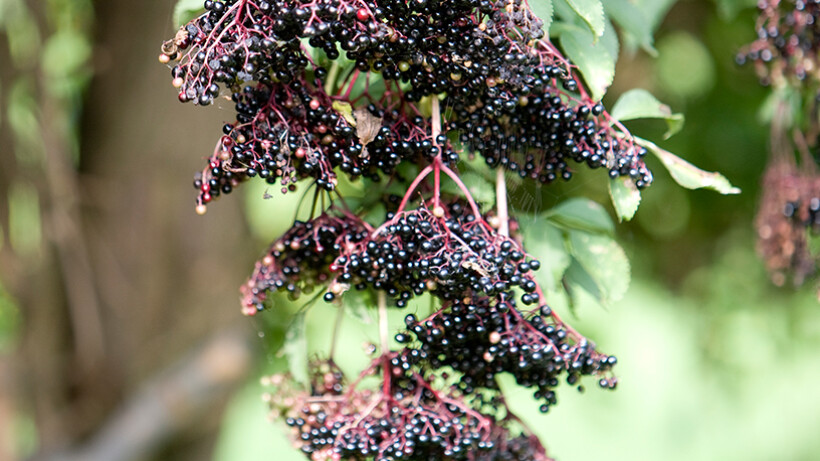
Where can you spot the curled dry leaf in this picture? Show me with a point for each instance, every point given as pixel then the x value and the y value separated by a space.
pixel 367 127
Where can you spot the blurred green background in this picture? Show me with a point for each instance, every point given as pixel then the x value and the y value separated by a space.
pixel 119 314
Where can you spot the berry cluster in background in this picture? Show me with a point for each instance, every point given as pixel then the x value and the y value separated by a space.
pixel 787 221
pixel 360 88
pixel 786 57
pixel 787 45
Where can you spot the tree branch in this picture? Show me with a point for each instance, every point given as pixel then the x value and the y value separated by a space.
pixel 175 399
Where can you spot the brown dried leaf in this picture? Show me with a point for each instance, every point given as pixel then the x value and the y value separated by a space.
pixel 367 127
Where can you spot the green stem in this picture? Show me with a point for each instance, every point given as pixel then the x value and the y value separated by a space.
pixel 331 77
pixel 501 202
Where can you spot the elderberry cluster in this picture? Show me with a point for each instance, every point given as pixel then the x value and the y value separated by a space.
pixel 535 132
pixel 511 92
pixel 412 421
pixel 300 260
pixel 481 337
pixel 303 111
pixel 511 110
pixel 788 42
pixel 290 132
pixel 788 213
pixel 449 255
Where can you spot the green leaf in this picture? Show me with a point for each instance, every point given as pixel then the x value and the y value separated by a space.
pixel 64 61
pixel 375 214
pixel 357 304
pixel 374 81
pixel 296 349
pixel 639 103
pixel 543 9
pixel 632 20
pixel 546 243
pixel 480 188
pixel 575 278
pixel 346 110
pixel 592 13
pixel 564 14
pixel 605 262
pixel 594 60
pixel 610 41
pixel 625 197
pixel 185 10
pixel 654 10
pixel 581 214
pixel 688 175
pixel 729 9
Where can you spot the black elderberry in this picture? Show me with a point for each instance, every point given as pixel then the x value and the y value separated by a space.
pixel 301 259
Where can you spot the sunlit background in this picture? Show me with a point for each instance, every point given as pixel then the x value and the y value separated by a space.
pixel 121 336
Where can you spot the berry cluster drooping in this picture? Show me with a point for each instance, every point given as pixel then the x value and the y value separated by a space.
pixel 407 418
pixel 300 260
pixel 788 214
pixel 323 88
pixel 529 128
pixel 786 55
pixel 286 133
pixel 481 337
pixel 514 98
pixel 449 251
pixel 788 42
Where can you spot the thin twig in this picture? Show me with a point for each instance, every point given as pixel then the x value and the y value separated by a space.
pixel 436 118
pixel 331 77
pixel 501 202
pixel 336 328
pixel 67 234
pixel 383 328
pixel 806 160
pixel 169 403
